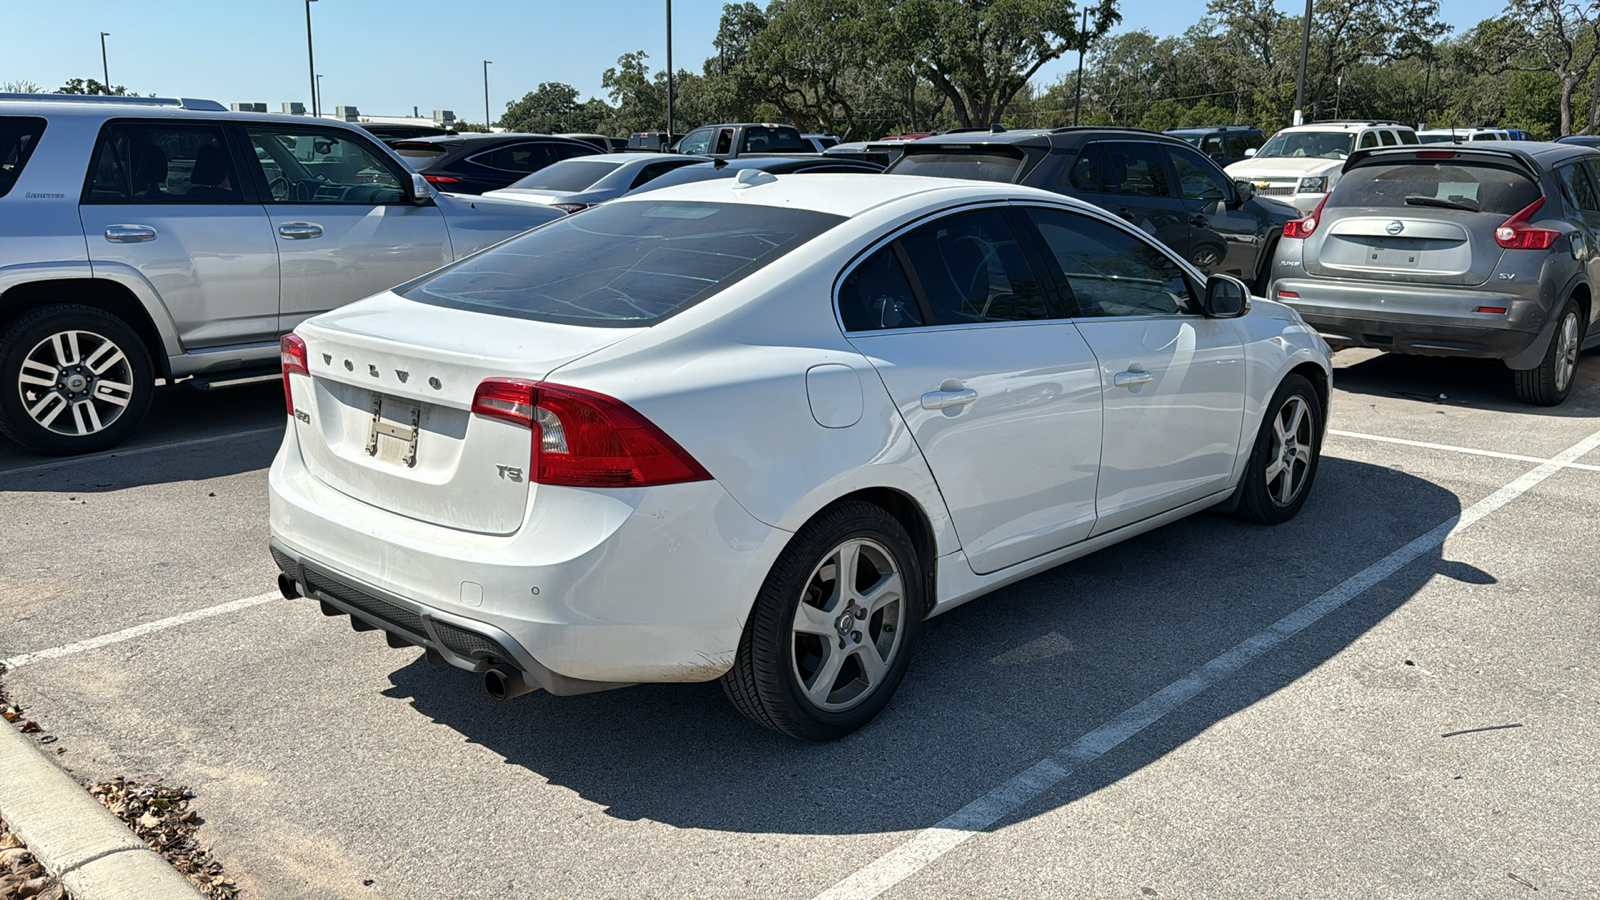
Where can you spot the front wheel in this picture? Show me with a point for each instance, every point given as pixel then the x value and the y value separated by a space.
pixel 1549 383
pixel 1283 463
pixel 833 628
pixel 73 379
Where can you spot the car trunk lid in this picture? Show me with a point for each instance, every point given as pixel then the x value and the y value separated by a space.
pixel 389 418
pixel 1440 247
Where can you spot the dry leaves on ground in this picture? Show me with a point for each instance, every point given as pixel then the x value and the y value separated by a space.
pixel 21 876
pixel 162 817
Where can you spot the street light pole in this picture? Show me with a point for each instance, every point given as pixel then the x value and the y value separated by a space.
pixel 1300 83
pixel 669 71
pixel 311 62
pixel 488 125
pixel 317 97
pixel 105 69
pixel 1083 40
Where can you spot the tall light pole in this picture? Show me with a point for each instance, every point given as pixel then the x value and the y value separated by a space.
pixel 105 68
pixel 1083 40
pixel 669 72
pixel 488 126
pixel 1300 83
pixel 316 99
pixel 311 63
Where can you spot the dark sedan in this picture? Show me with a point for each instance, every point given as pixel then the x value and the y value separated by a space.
pixel 474 163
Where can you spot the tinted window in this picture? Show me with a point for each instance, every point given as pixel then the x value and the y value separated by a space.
pixel 656 170
pixel 1084 173
pixel 1389 140
pixel 163 163
pixel 971 269
pixel 724 142
pixel 989 164
pixel 1479 187
pixel 1236 146
pixel 876 295
pixel 529 157
pixel 1135 170
pixel 568 175
pixel 1212 146
pixel 623 264
pixel 1109 272
pixel 780 139
pixel 18 136
pixel 1409 137
pixel 302 166
pixel 1197 178
pixel 1369 139
pixel 1577 188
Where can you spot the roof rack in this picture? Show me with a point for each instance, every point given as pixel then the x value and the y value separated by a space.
pixel 1214 128
pixel 1357 122
pixel 1069 129
pixel 175 102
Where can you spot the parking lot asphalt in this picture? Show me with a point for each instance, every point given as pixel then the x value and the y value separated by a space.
pixel 1431 734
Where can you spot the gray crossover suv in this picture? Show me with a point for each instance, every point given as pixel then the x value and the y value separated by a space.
pixel 145 239
pixel 1469 250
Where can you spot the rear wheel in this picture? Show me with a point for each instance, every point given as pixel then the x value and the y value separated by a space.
pixel 1549 383
pixel 1283 463
pixel 73 379
pixel 833 628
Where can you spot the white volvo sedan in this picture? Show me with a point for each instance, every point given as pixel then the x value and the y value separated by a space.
pixel 762 429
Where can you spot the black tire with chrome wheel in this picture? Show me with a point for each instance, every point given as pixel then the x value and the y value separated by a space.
pixel 73 379
pixel 1549 383
pixel 1283 463
pixel 833 628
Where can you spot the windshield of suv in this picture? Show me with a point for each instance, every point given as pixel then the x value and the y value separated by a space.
pixel 567 175
pixel 1459 184
pixel 1322 144
pixel 622 265
pixel 985 164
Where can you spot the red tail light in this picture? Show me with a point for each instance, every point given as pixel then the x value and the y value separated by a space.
pixel 1516 234
pixel 292 356
pixel 1436 154
pixel 1300 229
pixel 570 208
pixel 1289 295
pixel 585 439
pixel 441 179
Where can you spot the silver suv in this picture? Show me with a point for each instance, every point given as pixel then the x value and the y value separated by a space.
pixel 145 239
pixel 1481 250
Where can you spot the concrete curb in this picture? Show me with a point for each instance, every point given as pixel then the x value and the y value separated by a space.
pixel 73 836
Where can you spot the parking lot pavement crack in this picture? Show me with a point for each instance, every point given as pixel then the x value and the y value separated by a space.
pixel 128 634
pixel 982 813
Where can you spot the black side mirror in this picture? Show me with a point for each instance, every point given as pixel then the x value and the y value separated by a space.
pixel 1247 190
pixel 1226 297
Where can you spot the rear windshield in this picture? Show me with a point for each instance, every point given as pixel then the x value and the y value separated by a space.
pixel 622 265
pixel 989 164
pixel 568 175
pixel 782 139
pixel 18 136
pixel 422 152
pixel 1453 184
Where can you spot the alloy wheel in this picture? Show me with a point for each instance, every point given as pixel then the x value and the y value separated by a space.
pixel 848 625
pixel 75 383
pixel 1291 451
pixel 1566 352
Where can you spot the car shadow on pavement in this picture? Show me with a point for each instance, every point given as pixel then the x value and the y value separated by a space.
pixel 1477 383
pixel 996 685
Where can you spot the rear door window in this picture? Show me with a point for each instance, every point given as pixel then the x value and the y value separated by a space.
pixel 1084 173
pixel 162 162
pixel 1455 184
pixel 623 264
pixel 1369 139
pixel 972 268
pixel 986 164
pixel 526 157
pixel 1135 169
pixel 1577 187
pixel 18 136
pixel 876 295
pixel 1409 137
pixel 1389 140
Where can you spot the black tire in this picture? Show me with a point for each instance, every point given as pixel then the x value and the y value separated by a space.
pixel 1262 499
pixel 98 403
pixel 1207 257
pixel 768 678
pixel 1549 383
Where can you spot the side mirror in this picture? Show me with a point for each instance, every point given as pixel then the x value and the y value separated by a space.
pixel 1246 190
pixel 421 191
pixel 1226 297
pixel 1249 152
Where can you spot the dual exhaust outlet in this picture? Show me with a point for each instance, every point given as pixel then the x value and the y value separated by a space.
pixel 502 683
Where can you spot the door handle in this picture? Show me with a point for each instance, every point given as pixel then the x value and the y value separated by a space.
pixel 1132 378
pixel 948 399
pixel 1199 221
pixel 300 230
pixel 129 234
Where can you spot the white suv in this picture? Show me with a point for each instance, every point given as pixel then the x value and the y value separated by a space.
pixel 145 239
pixel 1301 164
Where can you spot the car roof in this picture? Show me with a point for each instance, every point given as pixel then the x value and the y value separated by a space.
pixel 1343 125
pixel 1535 153
pixel 1069 136
pixel 1208 129
pixel 101 107
pixel 841 194
pixel 634 156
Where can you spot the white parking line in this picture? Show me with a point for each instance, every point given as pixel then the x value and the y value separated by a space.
pixel 111 454
pixel 128 634
pixel 959 827
pixel 1454 449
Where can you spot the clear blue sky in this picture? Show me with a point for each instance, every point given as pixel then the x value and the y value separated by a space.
pixel 386 56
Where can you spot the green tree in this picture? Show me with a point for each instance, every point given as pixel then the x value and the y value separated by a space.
pixel 90 86
pixel 552 108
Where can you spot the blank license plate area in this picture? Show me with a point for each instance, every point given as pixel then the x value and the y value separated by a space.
pixel 393 429
pixel 1393 254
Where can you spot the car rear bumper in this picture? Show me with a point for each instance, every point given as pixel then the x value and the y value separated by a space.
pixel 1427 320
pixel 597 588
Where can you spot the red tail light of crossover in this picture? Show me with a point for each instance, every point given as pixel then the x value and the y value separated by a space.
pixel 1516 234
pixel 1300 229
pixel 292 356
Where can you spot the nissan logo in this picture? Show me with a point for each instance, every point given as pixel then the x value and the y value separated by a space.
pixel 1396 227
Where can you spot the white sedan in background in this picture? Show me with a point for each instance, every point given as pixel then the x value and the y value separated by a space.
pixel 760 429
